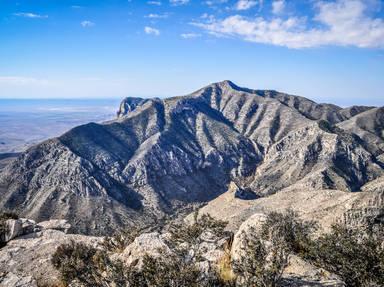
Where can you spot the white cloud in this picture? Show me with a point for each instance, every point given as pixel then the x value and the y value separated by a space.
pixel 178 2
pixel 22 81
pixel 245 4
pixel 190 35
pixel 30 15
pixel 87 24
pixel 151 31
pixel 342 23
pixel 157 16
pixel 278 6
pixel 157 3
pixel 215 2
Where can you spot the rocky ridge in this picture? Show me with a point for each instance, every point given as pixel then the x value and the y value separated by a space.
pixel 162 155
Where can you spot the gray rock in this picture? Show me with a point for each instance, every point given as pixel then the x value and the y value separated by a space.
pixel 13 280
pixel 56 224
pixel 29 256
pixel 162 155
pixel 19 227
pixel 14 228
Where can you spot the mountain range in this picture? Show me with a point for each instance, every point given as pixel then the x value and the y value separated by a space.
pixel 220 146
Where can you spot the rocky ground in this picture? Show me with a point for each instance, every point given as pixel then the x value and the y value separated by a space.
pixel 26 259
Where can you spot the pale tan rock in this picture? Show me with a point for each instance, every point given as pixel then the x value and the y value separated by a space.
pixel 148 243
pixel 30 255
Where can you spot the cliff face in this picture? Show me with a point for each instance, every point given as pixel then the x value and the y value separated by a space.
pixel 162 155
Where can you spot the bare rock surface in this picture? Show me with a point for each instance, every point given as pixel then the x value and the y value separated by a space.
pixel 27 259
pixel 152 244
pixel 300 273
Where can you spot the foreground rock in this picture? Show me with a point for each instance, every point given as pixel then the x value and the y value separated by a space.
pixel 26 259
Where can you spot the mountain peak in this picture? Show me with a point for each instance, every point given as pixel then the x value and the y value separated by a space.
pixel 229 84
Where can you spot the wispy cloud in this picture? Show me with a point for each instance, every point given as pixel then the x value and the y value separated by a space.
pixel 278 6
pixel 22 81
pixel 342 23
pixel 30 15
pixel 178 2
pixel 157 3
pixel 157 16
pixel 190 35
pixel 151 31
pixel 215 2
pixel 87 24
pixel 245 4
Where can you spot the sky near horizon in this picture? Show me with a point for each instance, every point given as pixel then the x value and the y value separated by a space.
pixel 326 50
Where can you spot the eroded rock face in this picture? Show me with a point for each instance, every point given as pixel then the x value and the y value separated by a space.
pixel 163 155
pixel 19 227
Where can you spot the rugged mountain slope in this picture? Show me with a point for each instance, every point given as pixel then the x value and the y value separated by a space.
pixel 161 155
pixel 369 126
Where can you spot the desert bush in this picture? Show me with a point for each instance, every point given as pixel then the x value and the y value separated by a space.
pixel 88 266
pixel 357 257
pixel 290 229
pixel 170 270
pixel 265 252
pixel 261 263
pixel 119 241
pixel 190 233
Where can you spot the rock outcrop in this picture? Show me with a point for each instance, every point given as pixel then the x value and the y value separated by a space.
pixel 26 259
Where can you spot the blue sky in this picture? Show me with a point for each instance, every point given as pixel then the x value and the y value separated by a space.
pixel 329 51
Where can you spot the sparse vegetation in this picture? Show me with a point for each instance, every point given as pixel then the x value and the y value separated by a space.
pixel 191 233
pixel 261 263
pixel 358 258
pixel 120 240
pixel 265 253
pixel 89 266
pixel 288 229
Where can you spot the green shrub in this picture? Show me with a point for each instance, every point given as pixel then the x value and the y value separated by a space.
pixel 289 228
pixel 190 233
pixel 119 241
pixel 358 258
pixel 265 253
pixel 259 264
pixel 86 265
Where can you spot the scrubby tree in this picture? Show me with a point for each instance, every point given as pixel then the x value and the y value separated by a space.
pixel 87 266
pixel 261 264
pixel 265 252
pixel 287 227
pixel 357 257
